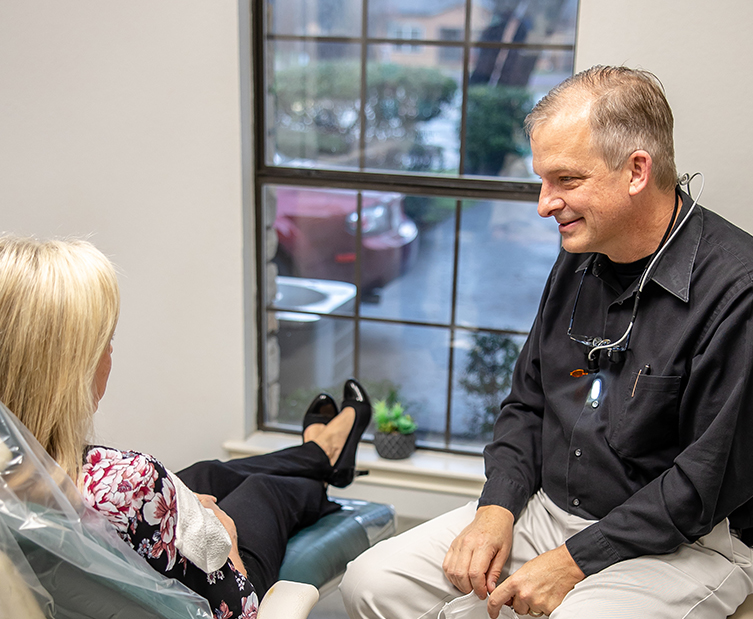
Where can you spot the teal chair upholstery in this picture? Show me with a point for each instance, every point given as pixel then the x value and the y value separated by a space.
pixel 318 554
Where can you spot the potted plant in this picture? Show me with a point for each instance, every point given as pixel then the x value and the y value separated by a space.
pixel 394 438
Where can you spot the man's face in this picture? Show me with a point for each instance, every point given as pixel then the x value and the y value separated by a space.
pixel 589 201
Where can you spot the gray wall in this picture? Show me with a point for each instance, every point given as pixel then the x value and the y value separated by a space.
pixel 702 53
pixel 123 120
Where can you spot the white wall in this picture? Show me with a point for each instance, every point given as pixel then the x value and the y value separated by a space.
pixel 702 52
pixel 122 120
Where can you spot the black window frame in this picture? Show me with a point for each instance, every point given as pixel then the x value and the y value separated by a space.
pixel 461 187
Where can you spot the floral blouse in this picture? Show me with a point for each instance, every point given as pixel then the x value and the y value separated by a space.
pixel 135 493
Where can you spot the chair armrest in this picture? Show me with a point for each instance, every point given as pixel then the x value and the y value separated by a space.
pixel 15 597
pixel 288 600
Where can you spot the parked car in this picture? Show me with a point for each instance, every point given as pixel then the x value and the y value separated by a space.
pixel 316 229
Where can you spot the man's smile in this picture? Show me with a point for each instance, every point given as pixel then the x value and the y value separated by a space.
pixel 567 225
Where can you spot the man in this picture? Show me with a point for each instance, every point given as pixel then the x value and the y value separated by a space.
pixel 620 477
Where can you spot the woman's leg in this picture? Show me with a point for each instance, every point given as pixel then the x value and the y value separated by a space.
pixel 267 510
pixel 220 478
pixel 314 459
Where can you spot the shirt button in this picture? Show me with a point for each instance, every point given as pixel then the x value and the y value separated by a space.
pixel 578 453
pixel 576 502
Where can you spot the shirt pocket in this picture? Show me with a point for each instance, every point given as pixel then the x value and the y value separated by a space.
pixel 647 421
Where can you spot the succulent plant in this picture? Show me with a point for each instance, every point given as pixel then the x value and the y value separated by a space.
pixel 393 418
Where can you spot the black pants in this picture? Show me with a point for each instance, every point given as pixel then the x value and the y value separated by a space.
pixel 269 497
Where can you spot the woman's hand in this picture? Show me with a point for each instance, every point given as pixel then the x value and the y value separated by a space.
pixel 210 502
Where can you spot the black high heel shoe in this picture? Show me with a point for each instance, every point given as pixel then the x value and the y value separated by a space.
pixel 344 470
pixel 322 410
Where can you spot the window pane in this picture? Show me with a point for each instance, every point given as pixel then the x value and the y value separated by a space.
pixel 313 98
pixel 506 251
pixel 483 367
pixel 504 85
pixel 536 21
pixel 315 232
pixel 423 291
pixel 314 17
pixel 413 110
pixel 305 355
pixel 391 18
pixel 412 361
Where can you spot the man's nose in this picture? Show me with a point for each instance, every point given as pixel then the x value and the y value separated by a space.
pixel 549 200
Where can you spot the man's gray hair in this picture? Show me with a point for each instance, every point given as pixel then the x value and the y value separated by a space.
pixel 629 112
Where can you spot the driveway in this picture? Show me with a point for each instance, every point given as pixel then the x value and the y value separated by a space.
pixel 506 251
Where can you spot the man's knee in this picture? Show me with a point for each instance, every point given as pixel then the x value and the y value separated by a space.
pixel 362 586
pixel 402 576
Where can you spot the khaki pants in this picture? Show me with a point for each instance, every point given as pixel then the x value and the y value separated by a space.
pixel 402 578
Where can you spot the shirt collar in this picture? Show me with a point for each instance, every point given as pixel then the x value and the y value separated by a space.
pixel 675 267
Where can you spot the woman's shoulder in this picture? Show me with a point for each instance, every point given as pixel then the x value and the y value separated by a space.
pixel 102 455
pixel 122 483
pixel 125 469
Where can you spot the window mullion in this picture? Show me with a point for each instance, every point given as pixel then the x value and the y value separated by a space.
pixel 364 85
pixel 453 314
pixel 466 77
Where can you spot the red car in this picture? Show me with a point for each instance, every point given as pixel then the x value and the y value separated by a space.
pixel 316 229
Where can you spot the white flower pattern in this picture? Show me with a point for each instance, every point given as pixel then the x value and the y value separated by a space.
pixel 137 496
pixel 249 607
pixel 117 486
pixel 162 511
pixel 213 577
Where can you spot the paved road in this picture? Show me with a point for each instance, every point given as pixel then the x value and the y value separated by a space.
pixel 506 252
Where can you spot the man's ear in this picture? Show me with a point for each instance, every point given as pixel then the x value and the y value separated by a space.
pixel 639 165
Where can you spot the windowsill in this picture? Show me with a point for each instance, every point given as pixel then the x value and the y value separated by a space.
pixel 430 471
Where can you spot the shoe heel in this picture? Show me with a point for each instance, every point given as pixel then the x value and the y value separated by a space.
pixel 344 470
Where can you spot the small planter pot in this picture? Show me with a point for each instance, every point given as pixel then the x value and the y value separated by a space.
pixel 394 446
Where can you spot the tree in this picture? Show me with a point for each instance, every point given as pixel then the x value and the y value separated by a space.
pixel 498 96
pixel 317 107
pixel 488 376
pixel 494 127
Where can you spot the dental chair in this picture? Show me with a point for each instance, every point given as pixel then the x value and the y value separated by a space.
pixel 61 559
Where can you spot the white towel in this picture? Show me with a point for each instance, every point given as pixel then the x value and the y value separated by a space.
pixel 199 535
pixel 471 607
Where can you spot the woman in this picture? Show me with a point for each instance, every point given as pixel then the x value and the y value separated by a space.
pixel 59 304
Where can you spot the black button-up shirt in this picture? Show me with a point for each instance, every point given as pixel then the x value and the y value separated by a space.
pixel 659 445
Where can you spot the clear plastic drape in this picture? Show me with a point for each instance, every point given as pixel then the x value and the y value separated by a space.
pixel 59 558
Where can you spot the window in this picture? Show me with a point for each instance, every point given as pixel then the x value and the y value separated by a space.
pixel 450 54
pixel 397 233
pixel 405 31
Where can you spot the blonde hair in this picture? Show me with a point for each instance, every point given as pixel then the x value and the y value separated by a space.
pixel 628 111
pixel 59 304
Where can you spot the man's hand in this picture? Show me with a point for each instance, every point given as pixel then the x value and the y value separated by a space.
pixel 539 586
pixel 476 557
